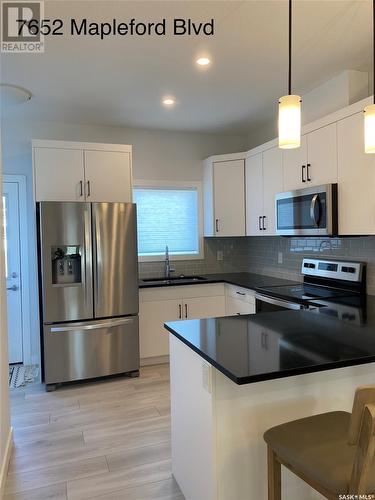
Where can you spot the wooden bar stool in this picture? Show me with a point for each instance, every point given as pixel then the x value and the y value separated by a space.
pixel 332 452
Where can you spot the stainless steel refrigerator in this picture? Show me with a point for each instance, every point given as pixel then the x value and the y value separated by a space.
pixel 88 289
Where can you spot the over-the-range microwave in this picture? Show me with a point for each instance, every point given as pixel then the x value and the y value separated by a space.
pixel 307 212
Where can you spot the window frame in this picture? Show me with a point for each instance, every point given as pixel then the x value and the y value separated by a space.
pixel 157 184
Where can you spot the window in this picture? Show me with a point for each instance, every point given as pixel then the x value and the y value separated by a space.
pixel 168 215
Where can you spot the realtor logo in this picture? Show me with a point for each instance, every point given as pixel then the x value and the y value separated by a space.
pixel 20 31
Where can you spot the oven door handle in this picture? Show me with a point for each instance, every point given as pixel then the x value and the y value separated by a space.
pixel 278 302
pixel 315 203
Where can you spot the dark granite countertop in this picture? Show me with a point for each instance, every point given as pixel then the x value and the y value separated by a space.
pixel 279 344
pixel 246 280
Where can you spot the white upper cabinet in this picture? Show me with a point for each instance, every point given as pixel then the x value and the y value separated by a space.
pixel 315 162
pixel 254 195
pixel 224 198
pixel 73 171
pixel 295 161
pixel 107 176
pixel 58 174
pixel 356 179
pixel 272 184
pixel 264 179
pixel 322 156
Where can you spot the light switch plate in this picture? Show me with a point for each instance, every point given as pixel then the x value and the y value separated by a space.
pixel 280 257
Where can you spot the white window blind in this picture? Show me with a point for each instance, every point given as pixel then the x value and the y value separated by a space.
pixel 167 216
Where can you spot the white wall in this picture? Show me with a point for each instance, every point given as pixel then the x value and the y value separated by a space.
pixel 157 155
pixel 4 391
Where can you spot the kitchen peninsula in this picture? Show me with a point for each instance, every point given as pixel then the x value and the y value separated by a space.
pixel 233 378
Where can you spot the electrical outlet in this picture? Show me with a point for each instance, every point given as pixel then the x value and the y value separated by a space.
pixel 220 255
pixel 280 257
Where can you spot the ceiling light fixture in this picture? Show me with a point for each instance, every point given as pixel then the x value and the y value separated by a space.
pixel 290 106
pixel 11 95
pixel 369 111
pixel 203 61
pixel 168 101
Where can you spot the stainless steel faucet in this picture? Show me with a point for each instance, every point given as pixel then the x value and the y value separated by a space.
pixel 167 265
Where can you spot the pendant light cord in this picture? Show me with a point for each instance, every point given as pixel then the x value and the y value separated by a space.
pixel 290 48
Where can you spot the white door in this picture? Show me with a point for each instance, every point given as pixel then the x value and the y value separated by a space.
pixel 13 270
pixel 295 161
pixel 322 155
pixel 272 184
pixel 229 196
pixel 204 307
pixel 59 174
pixel 108 176
pixel 254 195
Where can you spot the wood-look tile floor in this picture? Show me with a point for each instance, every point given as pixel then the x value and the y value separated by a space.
pixel 108 440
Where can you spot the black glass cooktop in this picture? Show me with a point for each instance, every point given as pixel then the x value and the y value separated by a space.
pixel 303 293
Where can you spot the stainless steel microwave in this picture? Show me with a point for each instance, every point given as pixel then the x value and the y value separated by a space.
pixel 307 212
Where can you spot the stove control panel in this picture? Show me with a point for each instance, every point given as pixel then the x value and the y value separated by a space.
pixel 334 269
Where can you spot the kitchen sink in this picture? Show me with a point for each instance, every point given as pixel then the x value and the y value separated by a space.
pixel 174 279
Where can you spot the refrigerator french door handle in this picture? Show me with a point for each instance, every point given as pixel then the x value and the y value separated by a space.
pixel 87 243
pixel 98 260
pixel 95 326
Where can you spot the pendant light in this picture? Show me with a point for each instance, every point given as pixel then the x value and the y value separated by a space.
pixel 369 111
pixel 290 106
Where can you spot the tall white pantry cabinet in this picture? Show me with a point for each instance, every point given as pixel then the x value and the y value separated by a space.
pixel 77 171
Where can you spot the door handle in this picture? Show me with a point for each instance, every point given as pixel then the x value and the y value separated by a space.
pixel 263 223
pixel 303 171
pixel 179 311
pixel 308 172
pixel 186 311
pixel 94 326
pixel 315 203
pixel 260 223
pixel 217 225
pixel 13 288
pixel 81 188
pixel 88 189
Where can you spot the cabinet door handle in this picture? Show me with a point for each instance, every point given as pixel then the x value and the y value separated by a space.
pixel 303 172
pixel 308 172
pixel 217 225
pixel 81 188
pixel 88 188
pixel 240 293
pixel 186 311
pixel 264 222
pixel 179 311
pixel 260 223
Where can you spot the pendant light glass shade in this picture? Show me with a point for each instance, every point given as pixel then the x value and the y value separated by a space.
pixel 290 122
pixel 369 114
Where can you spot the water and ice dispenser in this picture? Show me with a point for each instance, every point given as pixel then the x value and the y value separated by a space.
pixel 66 265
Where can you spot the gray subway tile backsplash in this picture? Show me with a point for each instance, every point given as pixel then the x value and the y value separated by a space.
pixel 260 254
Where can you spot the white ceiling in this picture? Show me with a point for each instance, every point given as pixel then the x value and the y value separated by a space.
pixel 120 81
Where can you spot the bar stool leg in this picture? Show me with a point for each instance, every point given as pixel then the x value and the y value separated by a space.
pixel 274 476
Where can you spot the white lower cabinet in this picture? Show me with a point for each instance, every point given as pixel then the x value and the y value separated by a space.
pixel 152 316
pixel 161 304
pixel 239 300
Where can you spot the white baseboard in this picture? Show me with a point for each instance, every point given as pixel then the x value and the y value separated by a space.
pixel 156 360
pixel 5 463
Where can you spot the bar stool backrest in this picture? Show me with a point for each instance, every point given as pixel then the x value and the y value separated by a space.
pixel 362 434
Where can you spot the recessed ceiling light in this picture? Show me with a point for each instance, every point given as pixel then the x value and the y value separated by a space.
pixel 203 61
pixel 168 101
